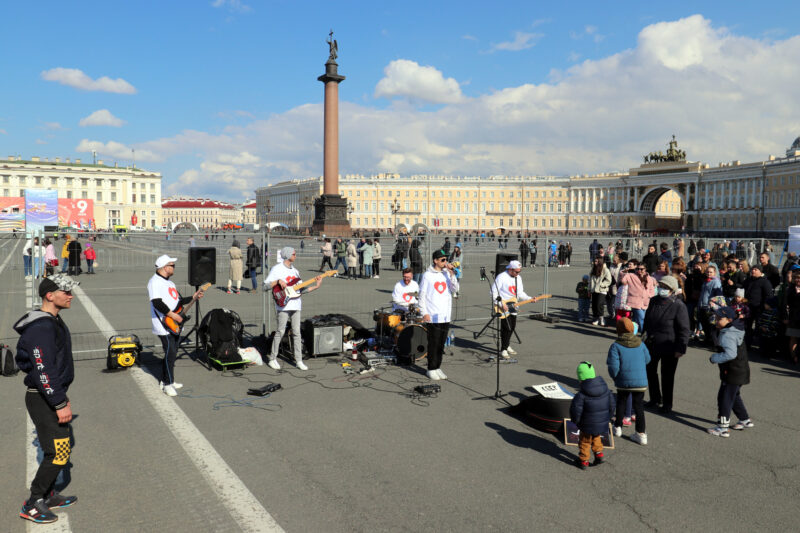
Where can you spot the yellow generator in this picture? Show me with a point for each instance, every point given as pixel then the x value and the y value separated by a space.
pixel 123 351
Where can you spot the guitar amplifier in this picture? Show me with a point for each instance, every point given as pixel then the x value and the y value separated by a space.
pixel 327 340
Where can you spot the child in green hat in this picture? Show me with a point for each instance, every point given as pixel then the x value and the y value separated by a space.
pixel 591 411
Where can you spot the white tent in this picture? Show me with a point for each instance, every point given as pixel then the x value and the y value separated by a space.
pixel 794 239
pixel 273 225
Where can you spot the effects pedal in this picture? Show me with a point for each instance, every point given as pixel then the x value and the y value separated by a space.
pixel 263 391
pixel 428 390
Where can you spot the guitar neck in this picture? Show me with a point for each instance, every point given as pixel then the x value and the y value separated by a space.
pixel 301 286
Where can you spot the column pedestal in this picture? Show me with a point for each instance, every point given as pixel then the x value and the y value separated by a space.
pixel 330 215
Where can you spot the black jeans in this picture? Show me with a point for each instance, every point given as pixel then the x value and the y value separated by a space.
pixel 437 334
pixel 729 398
pixel 598 304
pixel 376 267
pixel 326 259
pixel 669 364
pixel 170 345
pixel 507 327
pixel 638 408
pixel 54 438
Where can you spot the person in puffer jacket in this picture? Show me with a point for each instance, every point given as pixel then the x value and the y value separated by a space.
pixel 734 372
pixel 627 365
pixel 591 411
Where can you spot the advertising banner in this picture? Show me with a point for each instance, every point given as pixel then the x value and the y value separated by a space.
pixel 41 209
pixel 12 213
pixel 76 213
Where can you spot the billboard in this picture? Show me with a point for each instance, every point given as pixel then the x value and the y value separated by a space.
pixel 41 209
pixel 78 213
pixel 12 213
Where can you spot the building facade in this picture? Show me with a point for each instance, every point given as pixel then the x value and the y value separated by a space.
pixel 202 212
pixel 663 194
pixel 119 196
pixel 249 212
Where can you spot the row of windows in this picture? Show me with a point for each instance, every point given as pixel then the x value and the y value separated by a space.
pixel 455 194
pixel 83 182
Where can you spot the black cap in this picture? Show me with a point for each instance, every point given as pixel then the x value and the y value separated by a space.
pixel 439 253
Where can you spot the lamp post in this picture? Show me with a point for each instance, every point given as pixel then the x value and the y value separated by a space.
pixel 307 204
pixel 267 209
pixel 395 209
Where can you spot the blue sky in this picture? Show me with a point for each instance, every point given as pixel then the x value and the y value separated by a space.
pixel 221 95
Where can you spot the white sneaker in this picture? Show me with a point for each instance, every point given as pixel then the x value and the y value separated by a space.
pixel 28 278
pixel 595 322
pixel 274 364
pixel 617 431
pixel 434 375
pixel 175 384
pixel 377 277
pixel 512 351
pixel 602 321
pixel 441 374
pixel 504 354
pixel 169 390
pixel 300 365
pixel 639 438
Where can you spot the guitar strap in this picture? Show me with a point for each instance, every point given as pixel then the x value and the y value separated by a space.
pixel 515 294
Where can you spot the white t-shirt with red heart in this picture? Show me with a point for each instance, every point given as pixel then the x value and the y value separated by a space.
pixel 402 295
pixel 435 294
pixel 287 274
pixel 507 287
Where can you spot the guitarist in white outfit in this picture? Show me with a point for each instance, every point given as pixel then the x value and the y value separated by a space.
pixel 508 285
pixel 164 299
pixel 283 274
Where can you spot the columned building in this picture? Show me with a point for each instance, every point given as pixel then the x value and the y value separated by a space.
pixel 204 213
pixel 665 193
pixel 117 195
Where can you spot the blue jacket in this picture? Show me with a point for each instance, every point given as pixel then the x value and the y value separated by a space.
pixel 627 366
pixel 44 353
pixel 592 407
pixel 709 290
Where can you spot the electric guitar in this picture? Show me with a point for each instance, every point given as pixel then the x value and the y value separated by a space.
pixel 293 288
pixel 512 304
pixel 174 327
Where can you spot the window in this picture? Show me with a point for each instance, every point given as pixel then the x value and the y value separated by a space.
pixel 5 180
pixel 38 180
pixel 69 194
pixel 133 198
pixel 99 196
pixel 113 183
pixel 152 198
pixel 85 195
pixel 84 182
pixel 69 182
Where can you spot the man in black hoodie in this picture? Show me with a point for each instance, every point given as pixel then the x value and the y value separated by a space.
pixel 44 354
pixel 757 290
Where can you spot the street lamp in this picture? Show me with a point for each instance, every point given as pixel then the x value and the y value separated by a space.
pixel 395 210
pixel 267 209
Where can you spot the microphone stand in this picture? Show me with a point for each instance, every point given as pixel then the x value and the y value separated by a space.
pixel 498 302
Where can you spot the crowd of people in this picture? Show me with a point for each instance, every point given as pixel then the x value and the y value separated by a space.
pixel 40 259
pixel 659 305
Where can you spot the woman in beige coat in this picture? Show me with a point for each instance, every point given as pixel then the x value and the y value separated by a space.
pixel 351 258
pixel 235 254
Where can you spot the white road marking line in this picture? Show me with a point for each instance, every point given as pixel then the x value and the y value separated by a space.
pixel 242 505
pixel 62 525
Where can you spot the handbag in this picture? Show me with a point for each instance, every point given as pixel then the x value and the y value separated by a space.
pixel 53 262
pixel 247 274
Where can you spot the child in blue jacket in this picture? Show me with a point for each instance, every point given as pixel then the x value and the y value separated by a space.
pixel 627 366
pixel 591 411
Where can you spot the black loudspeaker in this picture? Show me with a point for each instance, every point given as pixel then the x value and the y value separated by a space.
pixel 202 266
pixel 502 260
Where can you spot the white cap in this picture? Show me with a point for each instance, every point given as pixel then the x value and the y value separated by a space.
pixel 164 260
pixel 739 293
pixel 514 265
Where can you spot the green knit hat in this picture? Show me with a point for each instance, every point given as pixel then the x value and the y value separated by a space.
pixel 585 371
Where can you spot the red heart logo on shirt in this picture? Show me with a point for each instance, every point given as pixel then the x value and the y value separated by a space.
pixel 440 286
pixel 290 279
pixel 513 290
pixel 173 292
pixel 407 297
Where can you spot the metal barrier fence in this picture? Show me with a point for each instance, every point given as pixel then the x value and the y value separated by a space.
pixel 125 263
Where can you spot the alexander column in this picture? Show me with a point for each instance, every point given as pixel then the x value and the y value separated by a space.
pixel 330 209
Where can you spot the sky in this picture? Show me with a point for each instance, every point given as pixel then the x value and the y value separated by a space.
pixel 222 97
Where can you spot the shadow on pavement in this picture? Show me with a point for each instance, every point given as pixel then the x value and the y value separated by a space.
pixel 546 446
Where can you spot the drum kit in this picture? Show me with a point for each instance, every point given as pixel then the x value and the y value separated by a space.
pixel 402 330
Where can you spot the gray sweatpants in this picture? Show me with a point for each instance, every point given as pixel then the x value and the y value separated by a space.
pixel 283 319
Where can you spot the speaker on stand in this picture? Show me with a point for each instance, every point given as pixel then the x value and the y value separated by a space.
pixel 501 261
pixel 202 269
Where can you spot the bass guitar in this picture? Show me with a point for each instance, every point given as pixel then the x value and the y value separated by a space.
pixel 293 288
pixel 512 304
pixel 173 326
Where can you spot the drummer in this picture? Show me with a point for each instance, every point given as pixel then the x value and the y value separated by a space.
pixel 405 292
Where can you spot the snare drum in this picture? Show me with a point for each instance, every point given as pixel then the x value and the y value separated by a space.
pixel 411 340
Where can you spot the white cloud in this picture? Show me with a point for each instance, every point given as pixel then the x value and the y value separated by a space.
pixel 468 37
pixel 40 141
pixel 102 117
pixel 76 78
pixel 232 5
pixel 117 150
pixel 406 78
pixel 725 97
pixel 52 126
pixel 522 41
pixel 3 132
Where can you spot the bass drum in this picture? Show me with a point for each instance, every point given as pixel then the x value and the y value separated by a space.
pixel 411 340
